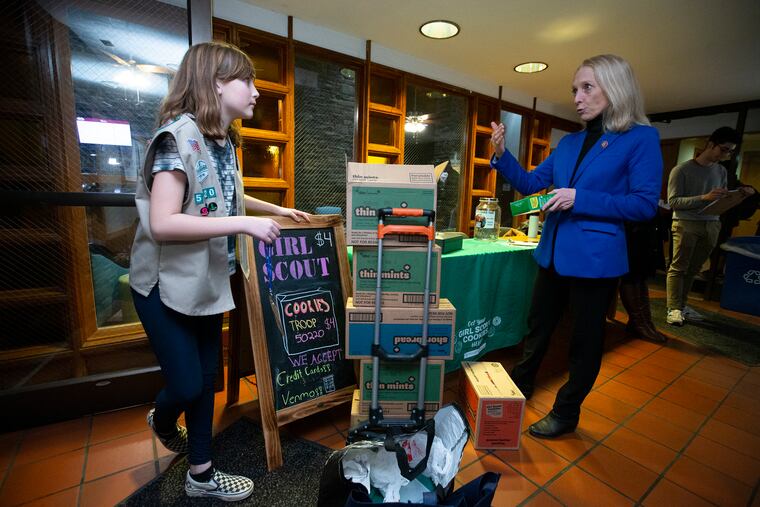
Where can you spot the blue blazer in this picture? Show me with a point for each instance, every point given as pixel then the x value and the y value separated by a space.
pixel 618 180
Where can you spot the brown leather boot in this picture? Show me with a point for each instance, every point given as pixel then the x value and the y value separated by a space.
pixel 639 318
pixel 646 313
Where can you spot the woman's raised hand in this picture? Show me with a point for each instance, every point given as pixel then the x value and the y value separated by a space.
pixel 497 138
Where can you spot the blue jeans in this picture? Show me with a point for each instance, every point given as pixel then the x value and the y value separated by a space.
pixel 187 348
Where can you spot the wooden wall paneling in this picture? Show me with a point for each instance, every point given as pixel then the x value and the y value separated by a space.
pixel 282 89
pixel 394 150
pixel 400 130
pixel 288 169
pixel 37 115
pixel 364 117
pixel 465 221
pixel 74 226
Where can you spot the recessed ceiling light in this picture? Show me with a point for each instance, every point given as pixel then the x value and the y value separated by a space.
pixel 439 29
pixel 530 67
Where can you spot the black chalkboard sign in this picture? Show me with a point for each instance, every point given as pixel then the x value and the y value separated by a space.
pixel 297 332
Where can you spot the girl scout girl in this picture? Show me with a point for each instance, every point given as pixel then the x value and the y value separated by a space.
pixel 191 206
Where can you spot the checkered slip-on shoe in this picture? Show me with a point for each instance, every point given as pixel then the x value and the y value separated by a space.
pixel 177 443
pixel 226 487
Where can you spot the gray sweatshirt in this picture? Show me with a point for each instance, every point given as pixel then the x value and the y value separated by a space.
pixel 687 183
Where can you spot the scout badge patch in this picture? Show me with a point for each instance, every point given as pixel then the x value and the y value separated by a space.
pixel 201 171
pixel 272 302
pixel 194 145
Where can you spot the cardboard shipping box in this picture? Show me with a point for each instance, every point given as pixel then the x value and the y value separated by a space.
pixel 356 415
pixel 399 385
pixel 359 416
pixel 400 330
pixel 403 277
pixel 373 186
pixel 493 405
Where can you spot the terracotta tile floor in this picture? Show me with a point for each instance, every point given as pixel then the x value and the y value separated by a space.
pixel 669 425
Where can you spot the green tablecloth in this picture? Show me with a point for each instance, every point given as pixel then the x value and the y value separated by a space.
pixel 490 284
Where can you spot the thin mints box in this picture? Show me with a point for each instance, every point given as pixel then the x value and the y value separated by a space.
pixel 529 204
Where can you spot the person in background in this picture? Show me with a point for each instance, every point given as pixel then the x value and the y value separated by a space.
pixel 608 174
pixel 742 211
pixel 191 205
pixel 692 185
pixel 644 257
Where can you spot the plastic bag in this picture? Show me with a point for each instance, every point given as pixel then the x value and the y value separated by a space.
pixel 369 467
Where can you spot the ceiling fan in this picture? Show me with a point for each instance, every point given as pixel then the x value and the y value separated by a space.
pixel 132 75
pixel 143 67
pixel 416 123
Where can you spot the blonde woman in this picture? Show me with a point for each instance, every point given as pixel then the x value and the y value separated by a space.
pixel 601 177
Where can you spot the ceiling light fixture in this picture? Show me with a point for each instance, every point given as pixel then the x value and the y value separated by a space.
pixel 415 124
pixel 530 67
pixel 439 29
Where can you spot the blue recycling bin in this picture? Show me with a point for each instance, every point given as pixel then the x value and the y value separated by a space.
pixel 741 286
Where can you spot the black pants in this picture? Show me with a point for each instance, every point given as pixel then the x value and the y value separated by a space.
pixel 589 299
pixel 187 348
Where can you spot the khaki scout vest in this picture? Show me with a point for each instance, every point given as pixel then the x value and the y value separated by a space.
pixel 193 276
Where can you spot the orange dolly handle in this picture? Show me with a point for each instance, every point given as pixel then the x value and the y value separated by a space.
pixel 428 231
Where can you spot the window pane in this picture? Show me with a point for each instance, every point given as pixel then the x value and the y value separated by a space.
pixel 267 59
pixel 267 115
pixel 87 79
pixel 556 137
pixel 262 159
pixel 513 126
pixel 382 130
pixel 272 196
pixel 505 193
pixel 487 112
pixel 435 133
pixel 483 146
pixel 480 177
pixel 326 123
pixel 111 231
pixel 379 159
pixel 121 67
pixel 382 90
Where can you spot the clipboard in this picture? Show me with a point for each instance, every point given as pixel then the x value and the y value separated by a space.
pixel 720 206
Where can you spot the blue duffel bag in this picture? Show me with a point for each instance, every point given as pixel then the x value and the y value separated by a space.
pixel 479 492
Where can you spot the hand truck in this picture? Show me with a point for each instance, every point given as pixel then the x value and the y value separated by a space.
pixel 377 427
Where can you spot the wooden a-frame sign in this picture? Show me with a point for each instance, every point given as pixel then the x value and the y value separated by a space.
pixel 300 364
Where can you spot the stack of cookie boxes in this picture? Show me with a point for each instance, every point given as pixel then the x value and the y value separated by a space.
pixel 369 188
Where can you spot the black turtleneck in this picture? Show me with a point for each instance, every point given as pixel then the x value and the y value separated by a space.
pixel 594 131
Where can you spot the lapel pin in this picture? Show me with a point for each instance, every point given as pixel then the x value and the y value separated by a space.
pixel 604 144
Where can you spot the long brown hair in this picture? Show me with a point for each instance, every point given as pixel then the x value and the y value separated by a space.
pixel 193 88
